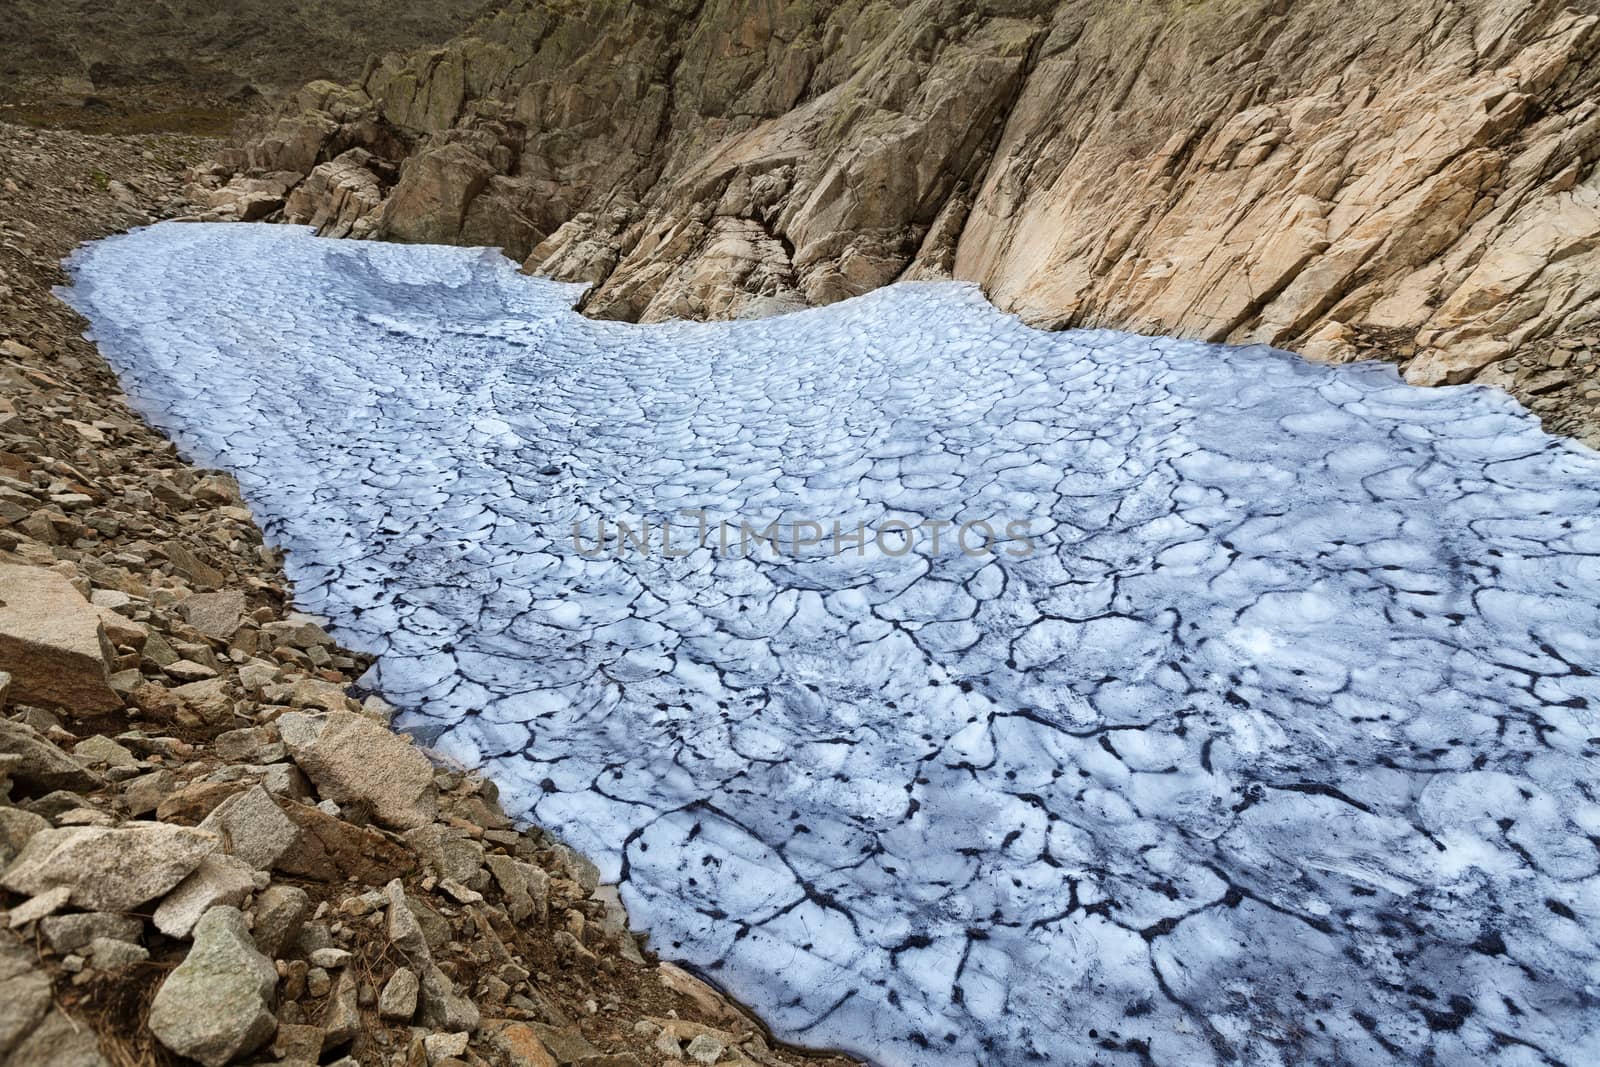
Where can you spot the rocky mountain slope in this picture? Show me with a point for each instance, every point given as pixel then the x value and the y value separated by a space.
pixel 1414 178
pixel 201 51
pixel 212 849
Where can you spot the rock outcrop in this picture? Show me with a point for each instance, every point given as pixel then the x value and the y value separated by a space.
pixel 1312 176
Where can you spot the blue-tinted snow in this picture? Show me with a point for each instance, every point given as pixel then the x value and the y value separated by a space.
pixel 1280 749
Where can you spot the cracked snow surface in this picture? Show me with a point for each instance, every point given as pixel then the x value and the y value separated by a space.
pixel 1280 747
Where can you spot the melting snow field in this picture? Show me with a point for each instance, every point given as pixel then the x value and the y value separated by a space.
pixel 1278 747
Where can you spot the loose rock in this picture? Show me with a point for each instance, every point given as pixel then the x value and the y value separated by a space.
pixel 110 869
pixel 351 758
pixel 217 1004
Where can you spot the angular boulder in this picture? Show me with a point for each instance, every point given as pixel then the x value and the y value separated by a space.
pixel 217 1005
pixel 109 868
pixel 52 642
pixel 220 879
pixel 24 993
pixel 216 615
pixel 353 759
pixel 253 828
pixel 42 767
pixel 279 914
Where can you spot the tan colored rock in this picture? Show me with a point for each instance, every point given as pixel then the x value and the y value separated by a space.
pixel 190 804
pixel 216 615
pixel 1291 175
pixel 353 759
pixel 198 572
pixel 121 631
pixel 219 879
pixel 519 1043
pixel 332 850
pixel 429 204
pixel 109 869
pixel 253 828
pixel 205 701
pixel 40 765
pixel 340 198
pixel 144 794
pixel 711 1003
pixel 52 642
pixel 298 1043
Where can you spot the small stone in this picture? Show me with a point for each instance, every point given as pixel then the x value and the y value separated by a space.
pixel 565 1044
pixel 204 701
pixel 144 794
pixel 104 751
pixel 299 633
pixel 401 926
pixel 364 904
pixel 109 953
pixel 342 1020
pixel 520 1044
pixel 460 893
pixel 440 1006
pixel 68 933
pixel 295 974
pixel 572 949
pixel 200 574
pixel 444 1046
pixel 193 802
pixel 298 1043
pixel 329 958
pixel 217 615
pixel 247 745
pixel 704 1048
pixel 47 903
pixel 187 670
pixel 280 913
pixel 318 982
pixel 448 852
pixel 110 599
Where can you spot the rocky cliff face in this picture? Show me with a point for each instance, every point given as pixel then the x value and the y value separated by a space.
pixel 1414 178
